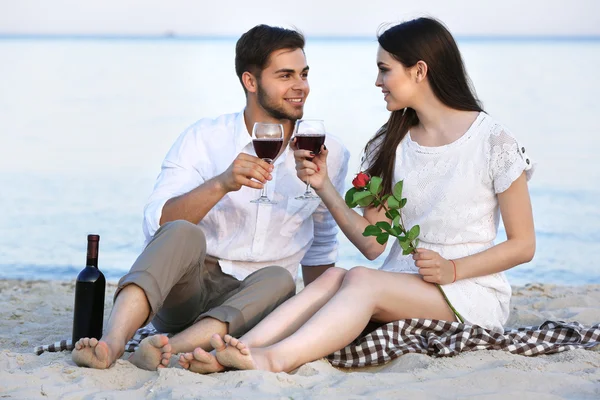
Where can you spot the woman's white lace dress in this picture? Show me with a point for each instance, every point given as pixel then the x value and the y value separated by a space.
pixel 452 194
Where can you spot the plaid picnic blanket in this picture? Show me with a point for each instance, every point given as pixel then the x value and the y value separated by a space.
pixel 444 339
pixel 432 337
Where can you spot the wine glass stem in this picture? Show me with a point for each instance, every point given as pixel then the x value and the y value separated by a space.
pixel 308 185
pixel 263 192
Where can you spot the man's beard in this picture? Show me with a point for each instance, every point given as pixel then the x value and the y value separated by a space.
pixel 277 112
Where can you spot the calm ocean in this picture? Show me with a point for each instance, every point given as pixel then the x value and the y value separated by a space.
pixel 85 124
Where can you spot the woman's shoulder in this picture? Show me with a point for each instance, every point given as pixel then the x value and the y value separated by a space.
pixel 491 128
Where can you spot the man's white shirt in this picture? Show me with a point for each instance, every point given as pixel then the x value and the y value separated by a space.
pixel 245 236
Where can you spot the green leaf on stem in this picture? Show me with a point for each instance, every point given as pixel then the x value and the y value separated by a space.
pixel 372 230
pixel 382 238
pixel 394 214
pixel 366 201
pixel 375 185
pixel 407 251
pixel 396 221
pixel 416 243
pixel 402 203
pixel 396 231
pixel 414 232
pixel 405 244
pixel 398 190
pixel 350 197
pixel 361 195
pixel 384 226
pixel 393 203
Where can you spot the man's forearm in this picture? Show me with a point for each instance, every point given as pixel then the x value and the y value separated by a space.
pixel 194 205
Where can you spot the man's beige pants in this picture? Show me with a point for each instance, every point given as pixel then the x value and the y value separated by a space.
pixel 183 284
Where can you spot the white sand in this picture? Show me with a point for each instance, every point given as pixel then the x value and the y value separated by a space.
pixel 35 313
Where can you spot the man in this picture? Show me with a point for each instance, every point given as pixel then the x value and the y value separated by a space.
pixel 214 261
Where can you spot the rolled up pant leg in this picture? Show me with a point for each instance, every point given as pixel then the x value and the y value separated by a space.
pixel 169 270
pixel 258 295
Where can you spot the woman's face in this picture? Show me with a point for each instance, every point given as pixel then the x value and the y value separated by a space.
pixel 395 80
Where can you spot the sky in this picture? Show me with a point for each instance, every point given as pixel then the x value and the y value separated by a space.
pixel 313 17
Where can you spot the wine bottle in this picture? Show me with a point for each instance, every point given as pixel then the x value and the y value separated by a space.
pixel 88 314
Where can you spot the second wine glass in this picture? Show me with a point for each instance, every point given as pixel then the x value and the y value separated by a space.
pixel 310 135
pixel 267 140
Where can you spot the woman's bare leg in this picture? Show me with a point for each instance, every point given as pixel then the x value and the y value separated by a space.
pixel 365 294
pixel 278 325
pixel 291 315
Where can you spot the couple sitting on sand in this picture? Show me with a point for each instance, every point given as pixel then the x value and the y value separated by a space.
pixel 218 271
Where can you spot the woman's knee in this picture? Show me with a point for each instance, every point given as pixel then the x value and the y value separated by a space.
pixel 358 276
pixel 332 276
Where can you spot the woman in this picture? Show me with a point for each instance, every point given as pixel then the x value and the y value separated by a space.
pixel 460 168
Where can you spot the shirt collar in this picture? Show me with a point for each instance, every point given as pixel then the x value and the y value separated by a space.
pixel 242 137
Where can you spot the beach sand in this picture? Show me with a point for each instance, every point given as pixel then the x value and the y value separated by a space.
pixel 40 312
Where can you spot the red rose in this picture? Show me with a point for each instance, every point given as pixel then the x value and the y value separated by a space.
pixel 361 180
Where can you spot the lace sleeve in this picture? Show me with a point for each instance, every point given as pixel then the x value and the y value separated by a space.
pixel 508 159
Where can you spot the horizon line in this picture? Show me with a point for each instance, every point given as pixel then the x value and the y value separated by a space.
pixel 207 37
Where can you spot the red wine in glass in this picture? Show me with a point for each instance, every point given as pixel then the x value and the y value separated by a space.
pixel 267 148
pixel 267 140
pixel 310 135
pixel 310 142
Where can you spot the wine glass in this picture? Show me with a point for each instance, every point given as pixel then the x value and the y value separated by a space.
pixel 267 140
pixel 310 135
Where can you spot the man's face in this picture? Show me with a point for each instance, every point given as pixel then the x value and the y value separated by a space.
pixel 283 85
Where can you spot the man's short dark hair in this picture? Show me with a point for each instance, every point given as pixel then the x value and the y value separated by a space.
pixel 254 47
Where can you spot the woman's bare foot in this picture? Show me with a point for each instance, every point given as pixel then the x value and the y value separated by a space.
pixel 96 354
pixel 154 352
pixel 201 362
pixel 230 352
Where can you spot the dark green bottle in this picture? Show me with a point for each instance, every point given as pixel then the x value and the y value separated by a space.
pixel 88 315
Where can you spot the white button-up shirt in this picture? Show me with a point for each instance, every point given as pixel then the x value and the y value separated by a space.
pixel 246 236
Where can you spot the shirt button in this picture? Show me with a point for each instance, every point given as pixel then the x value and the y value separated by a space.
pixel 527 161
pixel 523 150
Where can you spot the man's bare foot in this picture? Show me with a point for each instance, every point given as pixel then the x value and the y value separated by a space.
pixel 200 361
pixel 230 352
pixel 154 352
pixel 95 354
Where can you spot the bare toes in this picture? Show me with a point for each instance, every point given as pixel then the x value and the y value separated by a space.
pixel 202 356
pixel 240 346
pixel 184 362
pixel 232 341
pixel 158 340
pixel 217 342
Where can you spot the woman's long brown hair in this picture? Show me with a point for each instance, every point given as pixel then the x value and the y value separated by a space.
pixel 428 40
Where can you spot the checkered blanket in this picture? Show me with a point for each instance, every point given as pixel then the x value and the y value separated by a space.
pixel 444 339
pixel 435 338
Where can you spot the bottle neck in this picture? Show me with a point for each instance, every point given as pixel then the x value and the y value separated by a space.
pixel 92 262
pixel 92 251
